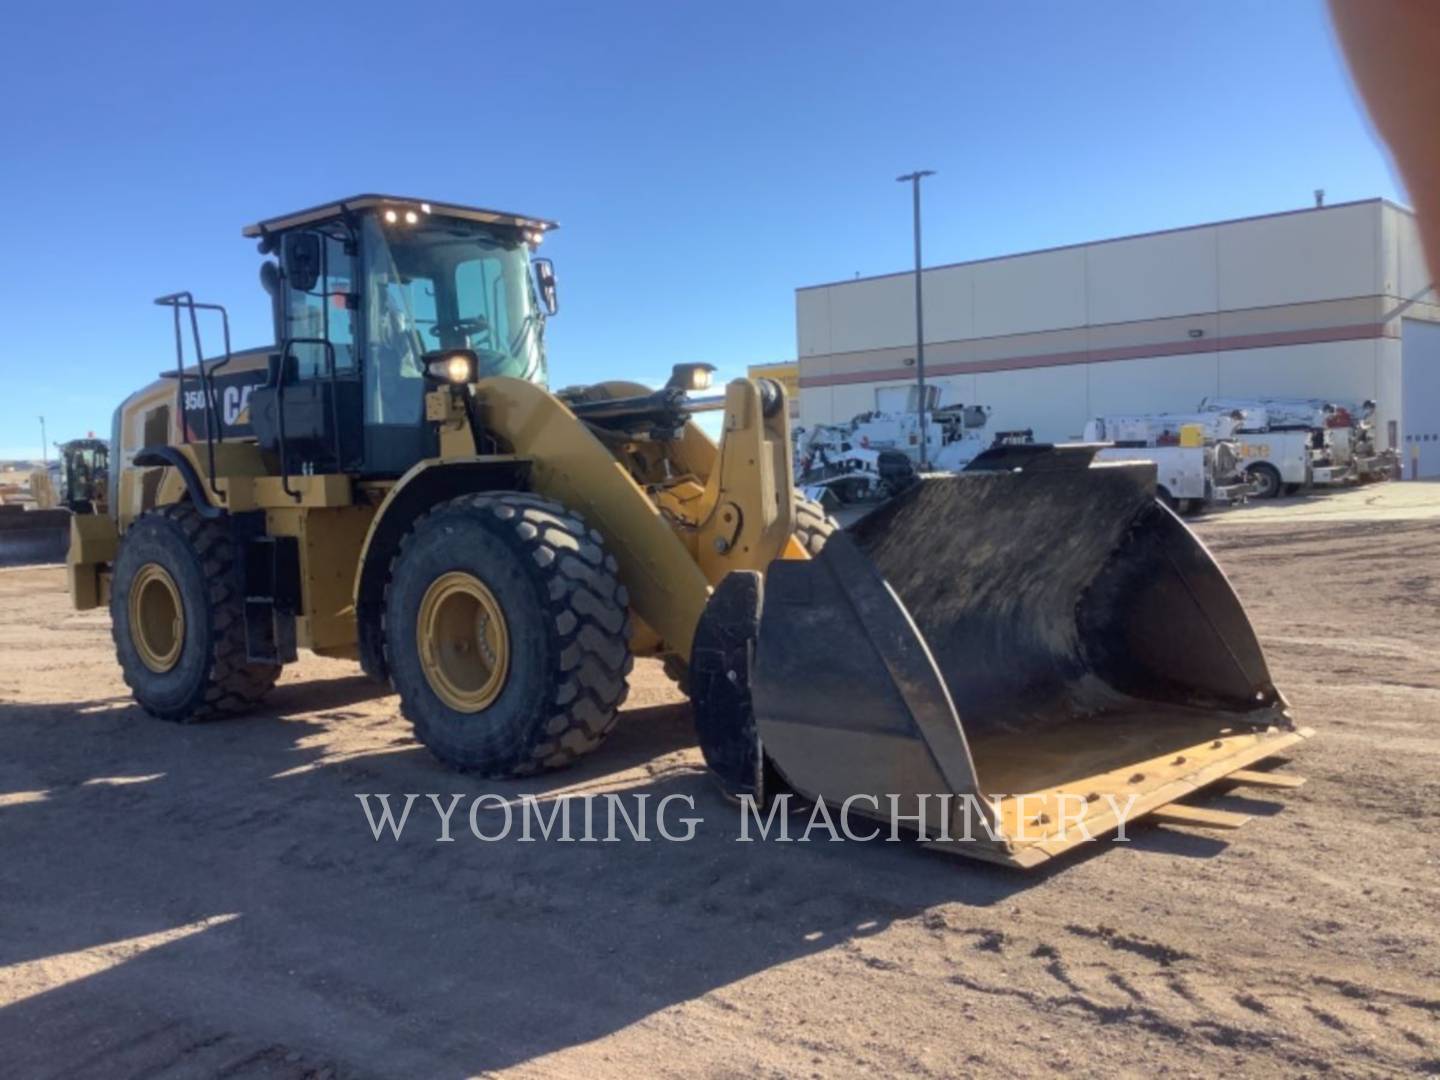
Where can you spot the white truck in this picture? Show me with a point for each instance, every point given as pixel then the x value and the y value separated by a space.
pixel 875 454
pixel 1271 461
pixel 1341 437
pixel 1196 466
pixel 955 434
pixel 832 467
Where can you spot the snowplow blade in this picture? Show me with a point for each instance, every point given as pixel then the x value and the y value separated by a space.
pixel 1030 656
pixel 33 536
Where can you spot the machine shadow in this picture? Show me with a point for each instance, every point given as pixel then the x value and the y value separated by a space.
pixel 205 884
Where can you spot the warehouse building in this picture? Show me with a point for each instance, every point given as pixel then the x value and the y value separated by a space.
pixel 1333 302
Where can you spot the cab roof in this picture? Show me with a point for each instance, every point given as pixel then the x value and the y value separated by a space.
pixel 400 203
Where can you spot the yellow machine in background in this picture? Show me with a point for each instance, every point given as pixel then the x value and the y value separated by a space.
pixel 42 490
pixel 394 482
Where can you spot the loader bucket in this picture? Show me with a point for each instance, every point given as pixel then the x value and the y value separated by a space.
pixel 33 536
pixel 1017 651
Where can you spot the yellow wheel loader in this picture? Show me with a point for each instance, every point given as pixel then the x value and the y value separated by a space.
pixel 394 482
pixel 84 469
pixel 38 533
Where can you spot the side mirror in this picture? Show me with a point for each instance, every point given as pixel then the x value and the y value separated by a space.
pixel 302 260
pixel 545 284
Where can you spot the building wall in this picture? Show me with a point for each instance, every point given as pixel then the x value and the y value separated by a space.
pixel 1299 303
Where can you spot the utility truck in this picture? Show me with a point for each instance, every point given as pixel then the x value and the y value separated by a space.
pixel 1197 464
pixel 1337 440
pixel 873 455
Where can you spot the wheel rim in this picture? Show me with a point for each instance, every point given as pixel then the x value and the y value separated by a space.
pixel 463 642
pixel 157 618
pixel 1264 483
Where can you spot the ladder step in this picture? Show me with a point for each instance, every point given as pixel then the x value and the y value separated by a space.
pixel 1178 814
pixel 1265 779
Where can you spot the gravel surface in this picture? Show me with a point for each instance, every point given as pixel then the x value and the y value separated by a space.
pixel 209 900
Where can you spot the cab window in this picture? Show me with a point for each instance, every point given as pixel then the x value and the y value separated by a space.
pixel 324 313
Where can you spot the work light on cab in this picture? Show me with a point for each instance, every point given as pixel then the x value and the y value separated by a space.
pixel 453 366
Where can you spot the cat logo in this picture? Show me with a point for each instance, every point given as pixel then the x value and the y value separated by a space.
pixel 230 393
pixel 235 405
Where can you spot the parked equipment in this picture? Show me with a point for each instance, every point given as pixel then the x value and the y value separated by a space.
pixel 394 483
pixel 955 434
pixel 36 528
pixel 84 474
pixel 876 455
pixel 1338 443
pixel 1198 465
pixel 832 468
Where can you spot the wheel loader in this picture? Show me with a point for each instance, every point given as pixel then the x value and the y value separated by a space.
pixel 394 482
pixel 84 465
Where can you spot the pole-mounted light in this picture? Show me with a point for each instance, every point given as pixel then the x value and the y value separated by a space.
pixel 913 179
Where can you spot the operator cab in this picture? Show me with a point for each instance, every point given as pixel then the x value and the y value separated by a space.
pixel 371 293
pixel 84 464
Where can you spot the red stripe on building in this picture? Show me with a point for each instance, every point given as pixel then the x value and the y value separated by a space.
pixel 1311 336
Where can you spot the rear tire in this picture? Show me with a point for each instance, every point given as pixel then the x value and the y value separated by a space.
pixel 1266 479
pixel 566 628
pixel 177 613
pixel 1162 493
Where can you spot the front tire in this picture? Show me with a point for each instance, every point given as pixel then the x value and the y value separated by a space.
pixel 507 634
pixel 177 614
pixel 813 526
pixel 1266 479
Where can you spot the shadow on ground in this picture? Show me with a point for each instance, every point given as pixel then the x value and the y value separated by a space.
pixel 188 893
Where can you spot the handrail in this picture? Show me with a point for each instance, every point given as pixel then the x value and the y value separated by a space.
pixel 213 423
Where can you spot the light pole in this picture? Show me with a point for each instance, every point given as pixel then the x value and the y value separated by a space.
pixel 44 452
pixel 914 179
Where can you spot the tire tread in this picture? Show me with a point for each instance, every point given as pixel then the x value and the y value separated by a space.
pixel 233 684
pixel 587 615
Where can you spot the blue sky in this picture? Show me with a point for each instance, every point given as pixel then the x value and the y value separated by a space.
pixel 704 159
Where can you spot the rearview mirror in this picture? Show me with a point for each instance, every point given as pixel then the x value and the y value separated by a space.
pixel 545 284
pixel 302 260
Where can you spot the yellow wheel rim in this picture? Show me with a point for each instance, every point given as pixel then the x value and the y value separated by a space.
pixel 463 642
pixel 157 618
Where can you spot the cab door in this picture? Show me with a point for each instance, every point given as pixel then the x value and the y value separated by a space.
pixel 311 411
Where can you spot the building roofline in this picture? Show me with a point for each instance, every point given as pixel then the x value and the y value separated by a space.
pixel 1114 240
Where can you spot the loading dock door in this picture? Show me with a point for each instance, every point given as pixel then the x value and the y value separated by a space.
pixel 1420 395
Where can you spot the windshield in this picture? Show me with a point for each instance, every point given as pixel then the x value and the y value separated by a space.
pixel 449 284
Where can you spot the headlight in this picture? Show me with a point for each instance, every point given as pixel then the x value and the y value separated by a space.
pixel 451 367
pixel 691 377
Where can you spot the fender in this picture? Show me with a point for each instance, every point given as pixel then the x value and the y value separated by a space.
pixel 426 483
pixel 170 457
pixel 668 590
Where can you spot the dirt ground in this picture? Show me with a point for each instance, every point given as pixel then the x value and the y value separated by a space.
pixel 198 901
